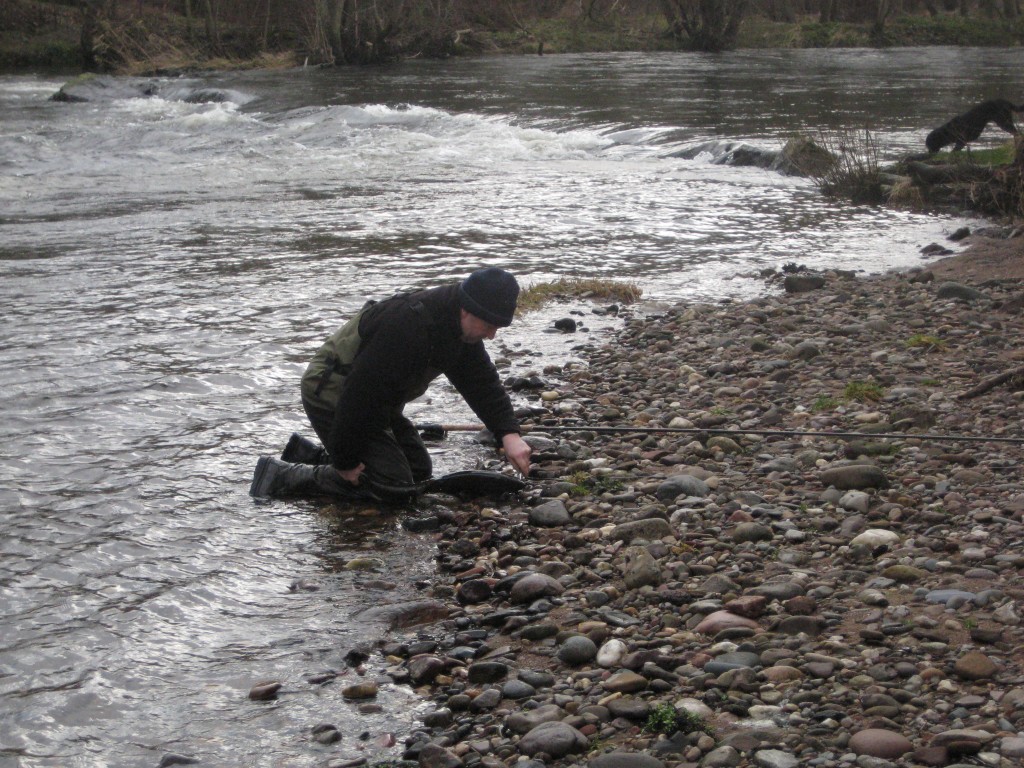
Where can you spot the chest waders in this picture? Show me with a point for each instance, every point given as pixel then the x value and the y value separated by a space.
pixel 304 467
pixel 396 460
pixel 324 379
pixel 325 375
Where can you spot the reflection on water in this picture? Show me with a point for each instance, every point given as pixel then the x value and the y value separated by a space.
pixel 168 267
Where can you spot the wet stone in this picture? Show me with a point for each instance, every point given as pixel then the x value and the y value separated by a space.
pixel 877 742
pixel 534 586
pixel 551 514
pixel 736 659
pixel 774 758
pixel 265 691
pixel 360 691
pixel 975 666
pixel 577 650
pixel 487 672
pixel 554 739
pixel 517 689
pixel 536 678
pixel 325 733
pixel 625 682
pixel 649 529
pixel 625 760
pixel 171 759
pixel 630 708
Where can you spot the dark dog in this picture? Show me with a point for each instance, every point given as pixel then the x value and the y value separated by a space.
pixel 967 127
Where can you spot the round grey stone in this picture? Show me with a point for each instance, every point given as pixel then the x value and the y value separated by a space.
pixel 577 650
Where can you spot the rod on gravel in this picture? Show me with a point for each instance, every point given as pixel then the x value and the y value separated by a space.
pixel 439 430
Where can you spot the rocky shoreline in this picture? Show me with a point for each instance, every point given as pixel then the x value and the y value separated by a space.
pixel 738 593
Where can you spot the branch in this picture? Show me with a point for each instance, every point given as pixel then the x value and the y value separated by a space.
pixel 991 383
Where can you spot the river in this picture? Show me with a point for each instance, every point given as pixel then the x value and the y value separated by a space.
pixel 170 261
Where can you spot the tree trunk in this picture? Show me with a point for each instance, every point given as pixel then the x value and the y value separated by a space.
pixel 883 9
pixel 87 37
pixel 828 11
pixel 189 34
pixel 1011 9
pixel 780 10
pixel 212 34
pixel 336 14
pixel 705 25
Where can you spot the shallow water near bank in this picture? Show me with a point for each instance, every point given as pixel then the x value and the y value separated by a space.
pixel 169 266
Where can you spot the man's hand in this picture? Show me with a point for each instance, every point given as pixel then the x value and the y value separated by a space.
pixel 517 452
pixel 352 475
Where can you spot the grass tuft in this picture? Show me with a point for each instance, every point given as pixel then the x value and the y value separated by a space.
pixel 540 294
pixel 924 341
pixel 666 719
pixel 863 391
pixel 855 175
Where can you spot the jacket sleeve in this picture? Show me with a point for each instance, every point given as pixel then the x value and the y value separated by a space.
pixel 476 379
pixel 390 357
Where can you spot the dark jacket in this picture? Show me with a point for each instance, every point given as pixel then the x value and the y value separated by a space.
pixel 405 342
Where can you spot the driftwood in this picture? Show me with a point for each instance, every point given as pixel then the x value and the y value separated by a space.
pixel 922 173
pixel 991 383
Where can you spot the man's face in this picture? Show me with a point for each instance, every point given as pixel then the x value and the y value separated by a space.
pixel 474 329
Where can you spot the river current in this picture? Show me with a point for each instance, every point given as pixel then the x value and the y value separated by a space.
pixel 173 250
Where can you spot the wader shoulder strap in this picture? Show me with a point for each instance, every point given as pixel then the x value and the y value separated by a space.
pixel 335 356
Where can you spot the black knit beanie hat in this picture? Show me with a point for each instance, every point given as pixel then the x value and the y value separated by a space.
pixel 491 295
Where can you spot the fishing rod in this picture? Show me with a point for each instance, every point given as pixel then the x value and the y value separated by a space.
pixel 439 430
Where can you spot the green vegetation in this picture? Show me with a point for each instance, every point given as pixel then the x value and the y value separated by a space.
pixel 538 295
pixel 923 340
pixel 1001 155
pixel 666 719
pixel 662 719
pixel 863 391
pixel 854 173
pixel 953 30
pixel 586 484
pixel 560 35
pixel 824 403
pixel 854 391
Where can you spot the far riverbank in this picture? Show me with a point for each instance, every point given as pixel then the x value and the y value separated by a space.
pixel 151 37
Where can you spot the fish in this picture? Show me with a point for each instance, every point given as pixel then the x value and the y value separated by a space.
pixel 470 483
pixel 474 482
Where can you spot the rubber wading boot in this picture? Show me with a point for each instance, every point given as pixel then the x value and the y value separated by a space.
pixel 274 478
pixel 302 450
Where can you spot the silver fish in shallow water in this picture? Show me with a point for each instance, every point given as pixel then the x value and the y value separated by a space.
pixel 470 482
pixel 474 482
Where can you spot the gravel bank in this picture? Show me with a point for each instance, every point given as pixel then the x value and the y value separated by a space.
pixel 735 594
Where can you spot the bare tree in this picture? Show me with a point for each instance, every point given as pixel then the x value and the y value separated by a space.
pixel 883 10
pixel 210 20
pixel 827 13
pixel 778 10
pixel 705 25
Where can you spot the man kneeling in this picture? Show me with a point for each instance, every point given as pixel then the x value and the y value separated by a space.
pixel 358 383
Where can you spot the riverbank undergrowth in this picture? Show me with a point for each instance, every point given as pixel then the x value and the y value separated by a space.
pixel 151 38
